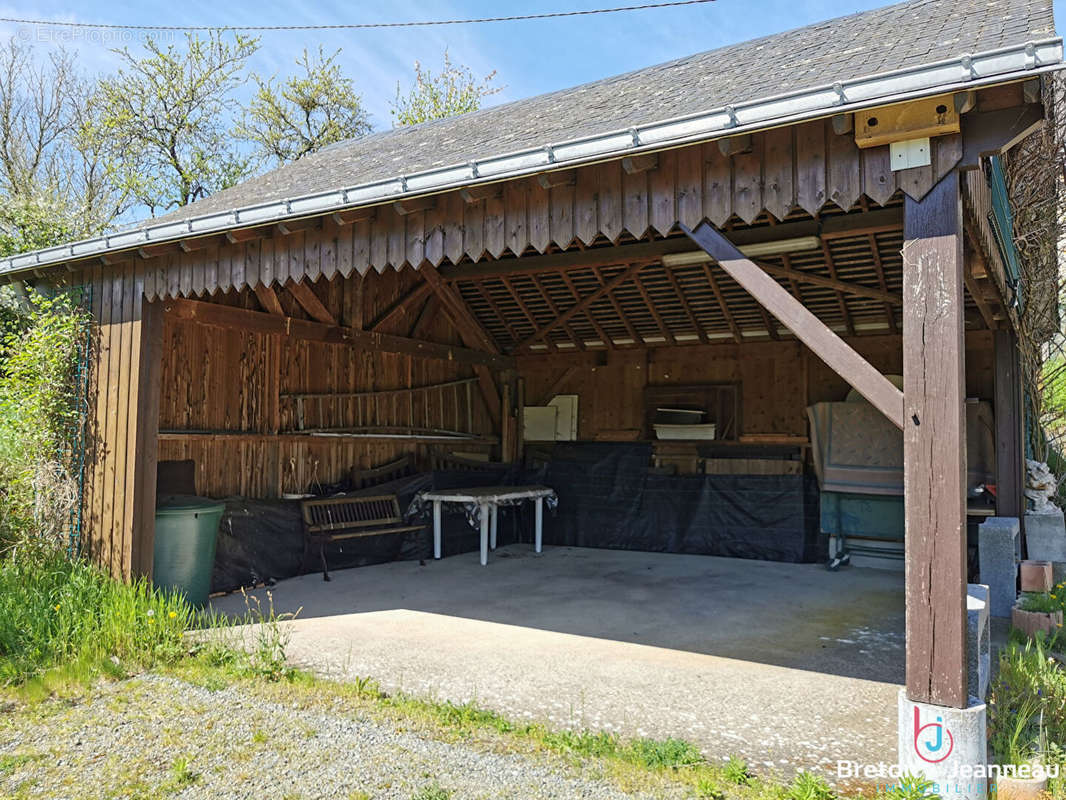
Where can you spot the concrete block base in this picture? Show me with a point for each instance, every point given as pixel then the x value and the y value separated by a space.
pixel 947 745
pixel 978 651
pixel 1045 536
pixel 999 549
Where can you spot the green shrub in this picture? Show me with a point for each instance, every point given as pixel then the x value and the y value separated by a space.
pixel 656 753
pixel 808 786
pixel 912 787
pixel 1027 703
pixel 736 771
pixel 40 418
pixel 1042 602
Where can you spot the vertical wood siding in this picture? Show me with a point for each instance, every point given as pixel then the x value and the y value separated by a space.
pixel 123 417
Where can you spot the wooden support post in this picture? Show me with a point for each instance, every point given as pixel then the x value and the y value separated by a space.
pixel 1009 443
pixel 934 446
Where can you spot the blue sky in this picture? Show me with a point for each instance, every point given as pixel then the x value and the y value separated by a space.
pixel 529 57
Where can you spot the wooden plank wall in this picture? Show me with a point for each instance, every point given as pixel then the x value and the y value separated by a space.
pixel 778 380
pixel 804 166
pixel 124 394
pixel 218 381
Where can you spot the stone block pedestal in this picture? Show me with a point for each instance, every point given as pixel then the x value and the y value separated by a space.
pixel 946 745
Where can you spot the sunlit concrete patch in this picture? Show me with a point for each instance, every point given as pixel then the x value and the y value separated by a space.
pixel 786 665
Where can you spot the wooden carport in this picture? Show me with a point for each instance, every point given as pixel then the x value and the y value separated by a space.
pixel 292 350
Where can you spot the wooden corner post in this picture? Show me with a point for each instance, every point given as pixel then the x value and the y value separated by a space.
pixel 934 446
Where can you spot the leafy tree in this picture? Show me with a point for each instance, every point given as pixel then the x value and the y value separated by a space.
pixel 314 108
pixel 53 181
pixel 166 113
pixel 453 90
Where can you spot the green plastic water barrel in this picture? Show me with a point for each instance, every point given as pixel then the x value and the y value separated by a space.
pixel 186 529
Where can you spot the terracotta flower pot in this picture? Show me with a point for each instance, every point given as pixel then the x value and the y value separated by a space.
pixel 1032 621
pixel 1036 576
pixel 1021 788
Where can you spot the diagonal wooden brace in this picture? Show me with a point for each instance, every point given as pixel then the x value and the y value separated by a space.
pixel 810 330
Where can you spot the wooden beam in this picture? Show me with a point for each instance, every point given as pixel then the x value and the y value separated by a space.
pixel 222 316
pixel 246 234
pixel 695 323
pixel 289 226
pixel 502 317
pixel 425 316
pixel 309 302
pixel 738 337
pixel 467 324
pixel 203 243
pixel 837 227
pixel 352 215
pixel 1010 471
pixel 834 283
pixel 577 341
pixel 986 133
pixel 607 342
pixel 934 446
pixel 890 313
pixel 642 163
pixel 161 249
pixel 562 177
pixel 268 299
pixel 524 308
pixel 556 386
pixel 814 333
pixel 580 306
pixel 632 331
pixel 402 307
pixel 827 256
pixel 475 194
pixel 660 323
pixel 414 204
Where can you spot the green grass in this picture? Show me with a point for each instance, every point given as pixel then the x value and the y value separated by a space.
pixel 63 620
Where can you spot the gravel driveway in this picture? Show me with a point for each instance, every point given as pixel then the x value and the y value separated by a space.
pixel 158 737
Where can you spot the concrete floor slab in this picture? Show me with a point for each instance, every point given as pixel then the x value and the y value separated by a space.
pixel 786 665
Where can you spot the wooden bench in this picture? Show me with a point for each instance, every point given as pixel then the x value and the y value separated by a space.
pixel 334 519
pixel 400 468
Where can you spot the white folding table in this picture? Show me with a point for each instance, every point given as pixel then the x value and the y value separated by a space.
pixel 487 501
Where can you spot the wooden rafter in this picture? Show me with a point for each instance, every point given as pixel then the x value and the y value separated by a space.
pixel 223 316
pixel 309 302
pixel 556 386
pixel 738 337
pixel 578 343
pixel 467 324
pixel 849 325
pixel 655 315
pixel 582 304
pixel 425 316
pixel 633 334
pixel 587 312
pixel 767 321
pixel 524 309
pixel 500 315
pixel 890 313
pixel 402 306
pixel 695 323
pixel 268 299
pixel 834 283
pixel 814 333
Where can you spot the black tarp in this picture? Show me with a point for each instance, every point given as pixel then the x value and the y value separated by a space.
pixel 607 498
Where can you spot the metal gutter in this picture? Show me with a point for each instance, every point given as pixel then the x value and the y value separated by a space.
pixel 967 71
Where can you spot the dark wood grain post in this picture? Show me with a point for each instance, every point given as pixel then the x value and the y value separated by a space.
pixel 934 446
pixel 1008 409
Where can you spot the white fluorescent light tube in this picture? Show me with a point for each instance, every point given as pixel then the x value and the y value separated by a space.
pixel 694 257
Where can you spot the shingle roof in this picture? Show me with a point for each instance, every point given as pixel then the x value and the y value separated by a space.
pixel 885 39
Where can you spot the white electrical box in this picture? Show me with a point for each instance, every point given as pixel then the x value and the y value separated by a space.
pixel 911 153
